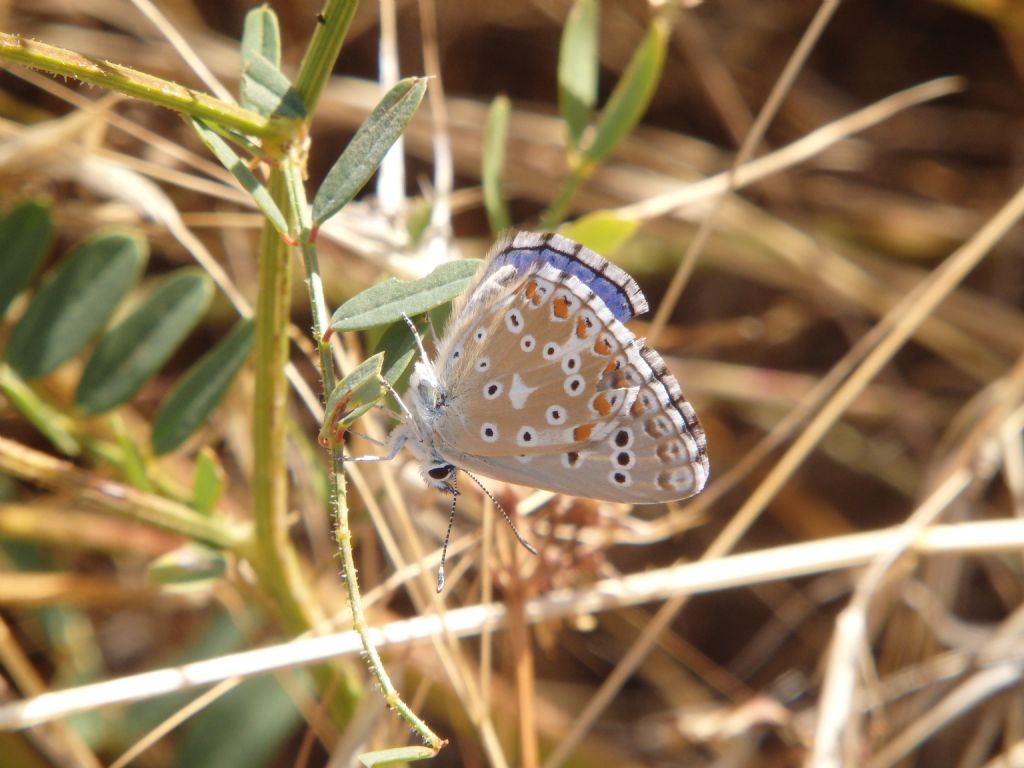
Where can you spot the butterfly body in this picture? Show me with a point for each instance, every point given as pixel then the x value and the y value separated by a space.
pixel 537 381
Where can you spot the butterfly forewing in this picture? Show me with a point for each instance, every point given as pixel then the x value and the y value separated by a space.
pixel 542 384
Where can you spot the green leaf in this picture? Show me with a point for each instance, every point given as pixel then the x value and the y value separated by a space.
pixel 227 157
pixel 261 34
pixel 395 755
pixel 352 397
pixel 268 92
pixel 364 153
pixel 130 462
pixel 191 565
pixel 25 233
pixel 208 484
pixel 386 302
pixel 261 38
pixel 417 218
pixel 578 68
pixel 75 302
pixel 248 727
pixel 632 93
pixel 190 403
pixel 493 170
pixel 601 231
pixel 439 316
pixel 133 351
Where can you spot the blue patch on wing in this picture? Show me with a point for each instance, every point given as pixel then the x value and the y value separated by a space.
pixel 611 293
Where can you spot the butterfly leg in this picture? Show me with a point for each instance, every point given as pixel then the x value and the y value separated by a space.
pixel 399 438
pixel 398 398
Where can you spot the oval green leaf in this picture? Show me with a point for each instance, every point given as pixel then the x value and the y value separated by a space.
pixel 261 37
pixel 386 302
pixel 352 397
pixel 601 231
pixel 191 565
pixel 259 708
pixel 190 403
pixel 578 68
pixel 129 354
pixel 267 91
pixel 208 483
pixel 632 93
pixel 25 233
pixel 493 166
pixel 364 153
pixel 75 302
pixel 261 34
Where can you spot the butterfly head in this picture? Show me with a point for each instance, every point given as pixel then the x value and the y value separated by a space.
pixel 427 401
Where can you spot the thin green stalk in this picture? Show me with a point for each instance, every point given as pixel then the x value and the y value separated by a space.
pixel 276 558
pixel 273 554
pixel 121 79
pixel 343 535
pixel 559 209
pixel 324 47
pixel 313 74
pixel 337 491
pixel 55 425
pixel 33 466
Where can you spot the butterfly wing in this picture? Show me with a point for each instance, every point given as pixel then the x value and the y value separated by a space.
pixel 544 385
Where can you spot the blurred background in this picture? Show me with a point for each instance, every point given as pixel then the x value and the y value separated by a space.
pixel 799 268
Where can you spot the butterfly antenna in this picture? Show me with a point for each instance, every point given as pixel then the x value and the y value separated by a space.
pixel 419 341
pixel 448 533
pixel 494 501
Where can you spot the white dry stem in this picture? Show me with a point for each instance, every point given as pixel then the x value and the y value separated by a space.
pixel 736 571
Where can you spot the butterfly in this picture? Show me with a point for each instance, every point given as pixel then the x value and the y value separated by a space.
pixel 536 380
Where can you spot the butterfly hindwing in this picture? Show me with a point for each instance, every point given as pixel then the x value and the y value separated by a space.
pixel 543 384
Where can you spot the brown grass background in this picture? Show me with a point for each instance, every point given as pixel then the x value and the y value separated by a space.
pixel 799 268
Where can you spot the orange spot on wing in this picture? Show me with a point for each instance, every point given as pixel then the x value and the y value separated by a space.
pixel 637 409
pixel 581 328
pixel 602 347
pixel 582 432
pixel 601 405
pixel 609 369
pixel 560 307
pixel 531 289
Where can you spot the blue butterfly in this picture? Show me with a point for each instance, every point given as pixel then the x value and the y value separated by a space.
pixel 537 381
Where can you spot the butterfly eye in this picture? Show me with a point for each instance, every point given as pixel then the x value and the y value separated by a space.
pixel 440 473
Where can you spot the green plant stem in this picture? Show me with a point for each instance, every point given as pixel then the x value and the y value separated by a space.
pixel 313 74
pixel 130 82
pixel 337 492
pixel 272 553
pixel 52 423
pixel 323 50
pixel 276 560
pixel 559 209
pixel 130 503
